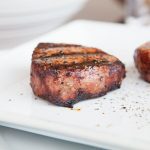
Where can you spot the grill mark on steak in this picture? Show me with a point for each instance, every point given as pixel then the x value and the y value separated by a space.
pixel 54 70
pixel 62 51
pixel 64 74
pixel 73 59
pixel 64 54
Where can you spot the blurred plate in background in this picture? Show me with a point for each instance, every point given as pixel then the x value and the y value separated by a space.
pixel 34 17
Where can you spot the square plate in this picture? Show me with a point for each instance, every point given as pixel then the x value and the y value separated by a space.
pixel 119 120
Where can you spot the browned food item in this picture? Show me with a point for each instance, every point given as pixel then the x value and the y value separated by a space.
pixel 65 74
pixel 142 60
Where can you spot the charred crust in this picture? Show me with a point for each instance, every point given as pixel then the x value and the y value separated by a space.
pixel 54 45
pixel 62 54
pixel 114 86
pixel 54 71
pixel 46 74
pixel 69 103
pixel 117 66
pixel 101 78
pixel 68 74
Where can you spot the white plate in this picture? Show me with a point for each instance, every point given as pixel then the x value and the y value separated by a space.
pixel 119 120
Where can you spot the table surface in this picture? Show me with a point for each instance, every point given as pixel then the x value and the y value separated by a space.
pixel 11 139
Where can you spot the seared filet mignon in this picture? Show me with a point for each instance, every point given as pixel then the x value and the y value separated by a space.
pixel 142 60
pixel 65 74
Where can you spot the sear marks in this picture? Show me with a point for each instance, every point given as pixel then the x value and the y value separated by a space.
pixel 65 74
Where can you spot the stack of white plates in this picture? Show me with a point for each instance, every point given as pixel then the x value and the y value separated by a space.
pixel 21 18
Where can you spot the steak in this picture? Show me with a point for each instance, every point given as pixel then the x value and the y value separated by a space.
pixel 142 60
pixel 65 74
